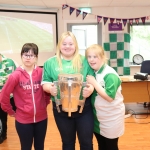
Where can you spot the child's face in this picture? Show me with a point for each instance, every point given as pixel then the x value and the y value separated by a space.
pixel 67 48
pixel 94 61
pixel 29 59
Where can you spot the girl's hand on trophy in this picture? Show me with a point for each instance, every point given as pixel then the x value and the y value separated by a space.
pixel 91 79
pixel 53 90
pixel 88 90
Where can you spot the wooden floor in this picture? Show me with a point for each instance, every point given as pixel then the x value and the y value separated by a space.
pixel 136 136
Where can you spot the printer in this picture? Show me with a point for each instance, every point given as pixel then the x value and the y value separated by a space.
pixel 141 76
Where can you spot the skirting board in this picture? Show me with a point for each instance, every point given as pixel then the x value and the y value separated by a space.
pixel 137 108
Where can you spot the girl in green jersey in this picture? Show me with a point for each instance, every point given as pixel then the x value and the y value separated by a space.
pixel 107 100
pixel 68 61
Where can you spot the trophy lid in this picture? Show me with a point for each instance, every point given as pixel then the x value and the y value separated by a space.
pixel 73 77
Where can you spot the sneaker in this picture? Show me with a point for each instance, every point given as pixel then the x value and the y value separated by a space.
pixel 2 139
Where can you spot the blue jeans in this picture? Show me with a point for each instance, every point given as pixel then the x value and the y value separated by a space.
pixel 32 132
pixel 80 124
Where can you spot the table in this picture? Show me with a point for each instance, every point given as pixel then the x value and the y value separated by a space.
pixel 135 90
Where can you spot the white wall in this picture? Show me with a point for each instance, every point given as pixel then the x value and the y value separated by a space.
pixel 134 69
pixel 111 12
pixel 115 12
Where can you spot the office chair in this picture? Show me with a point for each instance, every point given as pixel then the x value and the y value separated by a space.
pixel 145 67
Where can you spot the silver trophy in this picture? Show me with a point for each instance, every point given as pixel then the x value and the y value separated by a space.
pixel 69 90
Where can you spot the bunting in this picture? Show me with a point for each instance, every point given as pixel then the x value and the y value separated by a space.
pixel 118 21
pixel 78 12
pixel 71 10
pixel 137 21
pixel 143 20
pixel 148 18
pixel 64 6
pixel 112 20
pixel 124 21
pixel 105 20
pixel 131 21
pixel 84 15
pixel 99 18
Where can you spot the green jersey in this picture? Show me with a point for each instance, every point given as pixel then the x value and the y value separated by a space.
pixel 7 66
pixel 52 69
pixel 108 116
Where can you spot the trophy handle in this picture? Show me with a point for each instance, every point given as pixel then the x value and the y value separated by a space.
pixel 82 101
pixel 69 98
pixel 55 97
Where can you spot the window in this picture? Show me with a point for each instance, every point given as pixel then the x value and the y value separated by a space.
pixel 140 41
pixel 86 34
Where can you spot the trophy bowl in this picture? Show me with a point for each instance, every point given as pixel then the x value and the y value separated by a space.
pixel 70 86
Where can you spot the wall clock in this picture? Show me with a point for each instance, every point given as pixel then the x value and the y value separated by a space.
pixel 138 59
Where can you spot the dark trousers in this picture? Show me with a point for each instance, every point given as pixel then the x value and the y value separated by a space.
pixel 105 143
pixel 80 124
pixel 32 132
pixel 3 118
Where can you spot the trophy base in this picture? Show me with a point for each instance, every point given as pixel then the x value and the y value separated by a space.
pixel 72 110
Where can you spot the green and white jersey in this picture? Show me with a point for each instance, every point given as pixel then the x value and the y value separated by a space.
pixel 108 116
pixel 7 66
pixel 51 70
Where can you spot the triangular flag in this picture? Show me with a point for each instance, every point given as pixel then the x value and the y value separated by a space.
pixel 131 21
pixel 112 20
pixel 78 12
pixel 118 21
pixel 99 18
pixel 124 21
pixel 64 6
pixel 105 19
pixel 143 20
pixel 71 10
pixel 84 15
pixel 148 17
pixel 137 21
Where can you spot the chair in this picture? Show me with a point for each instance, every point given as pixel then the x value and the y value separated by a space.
pixel 145 67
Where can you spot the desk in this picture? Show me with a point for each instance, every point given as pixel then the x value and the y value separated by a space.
pixel 135 90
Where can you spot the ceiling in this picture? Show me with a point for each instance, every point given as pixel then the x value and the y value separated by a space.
pixel 54 4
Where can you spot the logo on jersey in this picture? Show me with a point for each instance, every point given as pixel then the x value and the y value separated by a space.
pixel 28 87
pixel 102 83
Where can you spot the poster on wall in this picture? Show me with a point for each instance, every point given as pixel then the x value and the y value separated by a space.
pixel 115 27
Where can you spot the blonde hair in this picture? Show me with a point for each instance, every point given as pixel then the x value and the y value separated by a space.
pixel 76 61
pixel 98 50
